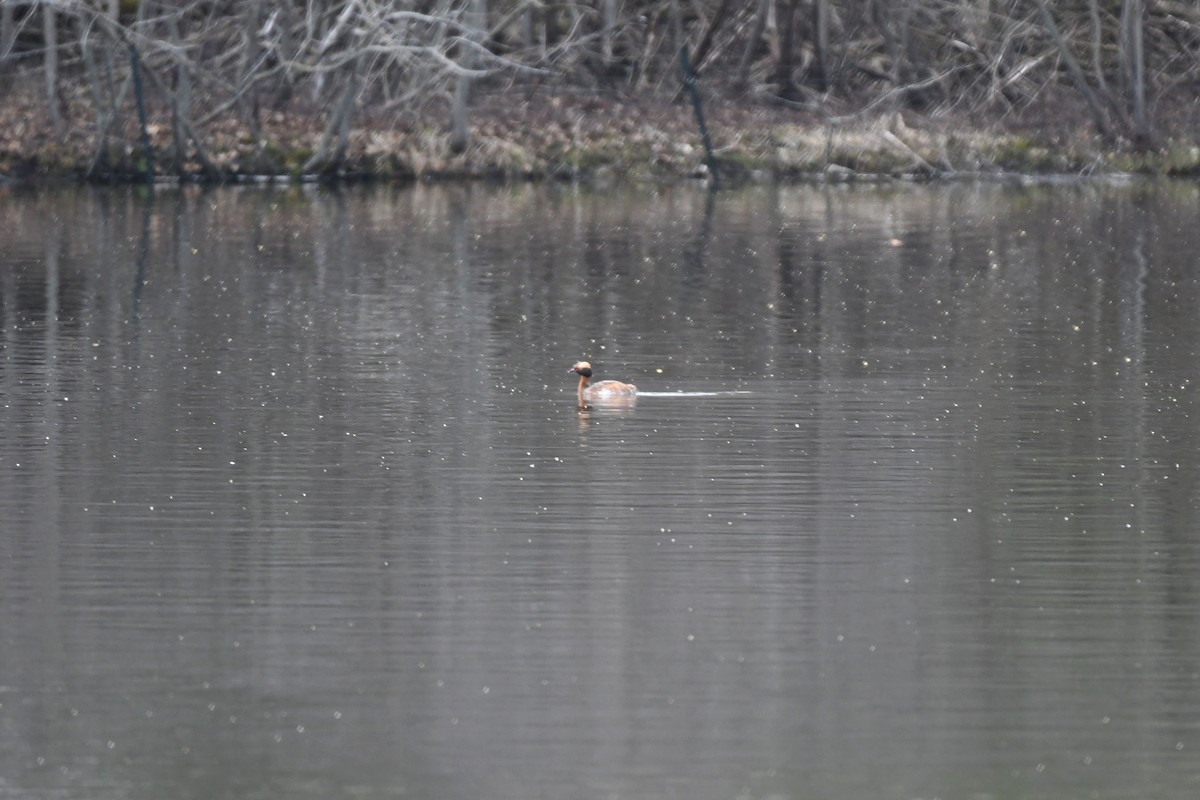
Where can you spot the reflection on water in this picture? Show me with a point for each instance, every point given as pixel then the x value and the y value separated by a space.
pixel 297 500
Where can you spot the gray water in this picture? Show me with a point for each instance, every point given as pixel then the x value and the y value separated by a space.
pixel 296 501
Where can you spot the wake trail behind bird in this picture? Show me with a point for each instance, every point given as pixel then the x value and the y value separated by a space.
pixel 689 394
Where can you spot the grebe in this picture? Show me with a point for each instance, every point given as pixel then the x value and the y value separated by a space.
pixel 601 390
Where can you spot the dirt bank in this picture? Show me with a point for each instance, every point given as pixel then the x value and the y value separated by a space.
pixel 538 135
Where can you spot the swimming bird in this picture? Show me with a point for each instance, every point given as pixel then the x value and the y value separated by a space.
pixel 601 391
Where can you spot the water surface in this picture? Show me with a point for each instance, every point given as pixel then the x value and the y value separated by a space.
pixel 296 501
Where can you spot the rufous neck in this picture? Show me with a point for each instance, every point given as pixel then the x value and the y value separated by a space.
pixel 583 382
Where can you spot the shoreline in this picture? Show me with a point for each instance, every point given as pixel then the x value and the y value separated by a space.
pixel 123 92
pixel 585 139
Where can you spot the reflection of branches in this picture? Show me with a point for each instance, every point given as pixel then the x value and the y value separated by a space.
pixel 695 251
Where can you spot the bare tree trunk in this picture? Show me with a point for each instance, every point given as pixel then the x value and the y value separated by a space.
pixel 210 169
pixel 460 126
pixel 98 102
pixel 710 32
pixel 249 66
pixel 8 32
pixel 785 80
pixel 1134 67
pixel 50 32
pixel 881 11
pixel 752 43
pixel 608 22
pixel 912 63
pixel 821 43
pixel 538 27
pixel 527 27
pixel 106 97
pixel 1097 44
pixel 327 157
pixel 181 109
pixel 675 22
pixel 1073 69
pixel 286 50
pixel 460 122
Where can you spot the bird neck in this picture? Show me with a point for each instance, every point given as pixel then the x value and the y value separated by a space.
pixel 583 382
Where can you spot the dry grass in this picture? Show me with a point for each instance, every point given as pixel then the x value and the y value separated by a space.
pixel 580 135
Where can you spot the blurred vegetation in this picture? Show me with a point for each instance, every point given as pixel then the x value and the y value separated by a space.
pixel 536 86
